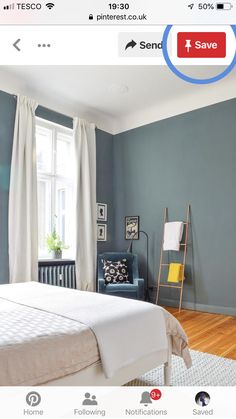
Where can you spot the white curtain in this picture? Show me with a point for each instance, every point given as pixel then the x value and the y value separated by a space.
pixel 23 220
pixel 86 228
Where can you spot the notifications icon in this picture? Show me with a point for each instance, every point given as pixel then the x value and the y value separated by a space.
pixel 145 398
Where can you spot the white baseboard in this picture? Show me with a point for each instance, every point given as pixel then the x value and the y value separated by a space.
pixel 231 311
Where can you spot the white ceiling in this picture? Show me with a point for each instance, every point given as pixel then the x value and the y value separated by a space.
pixel 93 92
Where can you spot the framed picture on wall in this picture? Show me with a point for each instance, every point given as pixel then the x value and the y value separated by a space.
pixel 132 227
pixel 101 232
pixel 101 212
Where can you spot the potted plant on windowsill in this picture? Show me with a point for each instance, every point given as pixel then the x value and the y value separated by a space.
pixel 55 245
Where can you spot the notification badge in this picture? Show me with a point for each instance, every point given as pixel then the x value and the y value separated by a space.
pixel 155 394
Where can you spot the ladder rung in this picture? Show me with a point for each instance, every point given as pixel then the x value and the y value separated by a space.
pixel 181 244
pixel 168 264
pixel 169 286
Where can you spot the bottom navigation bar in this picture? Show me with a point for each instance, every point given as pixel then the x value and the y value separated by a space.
pixel 117 402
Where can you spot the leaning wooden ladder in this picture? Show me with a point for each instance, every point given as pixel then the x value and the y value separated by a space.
pixel 162 265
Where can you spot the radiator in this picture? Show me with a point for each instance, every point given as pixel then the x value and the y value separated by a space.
pixel 57 273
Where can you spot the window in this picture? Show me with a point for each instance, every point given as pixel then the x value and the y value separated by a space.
pixel 55 185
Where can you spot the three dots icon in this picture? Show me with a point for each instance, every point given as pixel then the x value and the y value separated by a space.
pixel 44 45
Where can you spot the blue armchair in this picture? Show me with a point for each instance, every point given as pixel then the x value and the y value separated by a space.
pixel 134 289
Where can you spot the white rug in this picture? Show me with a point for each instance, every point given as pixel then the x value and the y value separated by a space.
pixel 207 370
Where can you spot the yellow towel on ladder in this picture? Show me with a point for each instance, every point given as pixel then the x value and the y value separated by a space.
pixel 176 272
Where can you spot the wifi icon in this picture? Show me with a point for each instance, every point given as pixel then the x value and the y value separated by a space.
pixel 50 5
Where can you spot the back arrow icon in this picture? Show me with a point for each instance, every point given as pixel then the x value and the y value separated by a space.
pixel 15 45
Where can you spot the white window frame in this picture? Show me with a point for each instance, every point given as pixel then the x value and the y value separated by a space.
pixel 52 176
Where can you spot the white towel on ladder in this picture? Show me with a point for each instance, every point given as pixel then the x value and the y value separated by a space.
pixel 172 235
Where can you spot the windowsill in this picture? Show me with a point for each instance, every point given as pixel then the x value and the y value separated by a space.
pixel 55 261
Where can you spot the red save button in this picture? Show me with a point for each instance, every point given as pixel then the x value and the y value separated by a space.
pixel 201 44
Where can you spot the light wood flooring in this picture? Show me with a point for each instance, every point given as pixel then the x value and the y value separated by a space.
pixel 211 333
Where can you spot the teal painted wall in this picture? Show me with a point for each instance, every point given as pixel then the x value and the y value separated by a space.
pixel 105 184
pixel 104 171
pixel 190 158
pixel 7 119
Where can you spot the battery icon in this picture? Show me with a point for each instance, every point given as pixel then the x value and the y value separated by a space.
pixel 224 6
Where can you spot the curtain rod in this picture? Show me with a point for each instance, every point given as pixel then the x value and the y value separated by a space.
pixel 52 110
pixel 48 109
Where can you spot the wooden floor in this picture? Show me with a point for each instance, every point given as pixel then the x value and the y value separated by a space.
pixel 211 333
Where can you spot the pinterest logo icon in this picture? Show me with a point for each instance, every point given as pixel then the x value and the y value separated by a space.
pixel 33 398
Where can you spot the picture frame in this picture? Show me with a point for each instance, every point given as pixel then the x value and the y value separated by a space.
pixel 101 212
pixel 132 227
pixel 101 232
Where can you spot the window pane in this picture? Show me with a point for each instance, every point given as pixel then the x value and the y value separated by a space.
pixel 65 214
pixel 64 158
pixel 61 196
pixel 44 149
pixel 44 213
pixel 55 186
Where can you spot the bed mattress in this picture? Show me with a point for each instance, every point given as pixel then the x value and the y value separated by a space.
pixel 36 346
pixel 48 332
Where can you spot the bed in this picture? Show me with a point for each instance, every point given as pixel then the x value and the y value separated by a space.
pixel 55 336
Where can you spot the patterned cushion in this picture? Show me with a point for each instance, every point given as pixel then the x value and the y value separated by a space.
pixel 115 272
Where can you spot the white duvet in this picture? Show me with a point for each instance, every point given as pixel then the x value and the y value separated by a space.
pixel 126 330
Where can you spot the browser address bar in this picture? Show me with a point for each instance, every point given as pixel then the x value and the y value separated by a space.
pixel 131 12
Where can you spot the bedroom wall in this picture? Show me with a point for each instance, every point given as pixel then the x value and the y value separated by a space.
pixel 189 158
pixel 7 119
pixel 104 171
pixel 105 184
